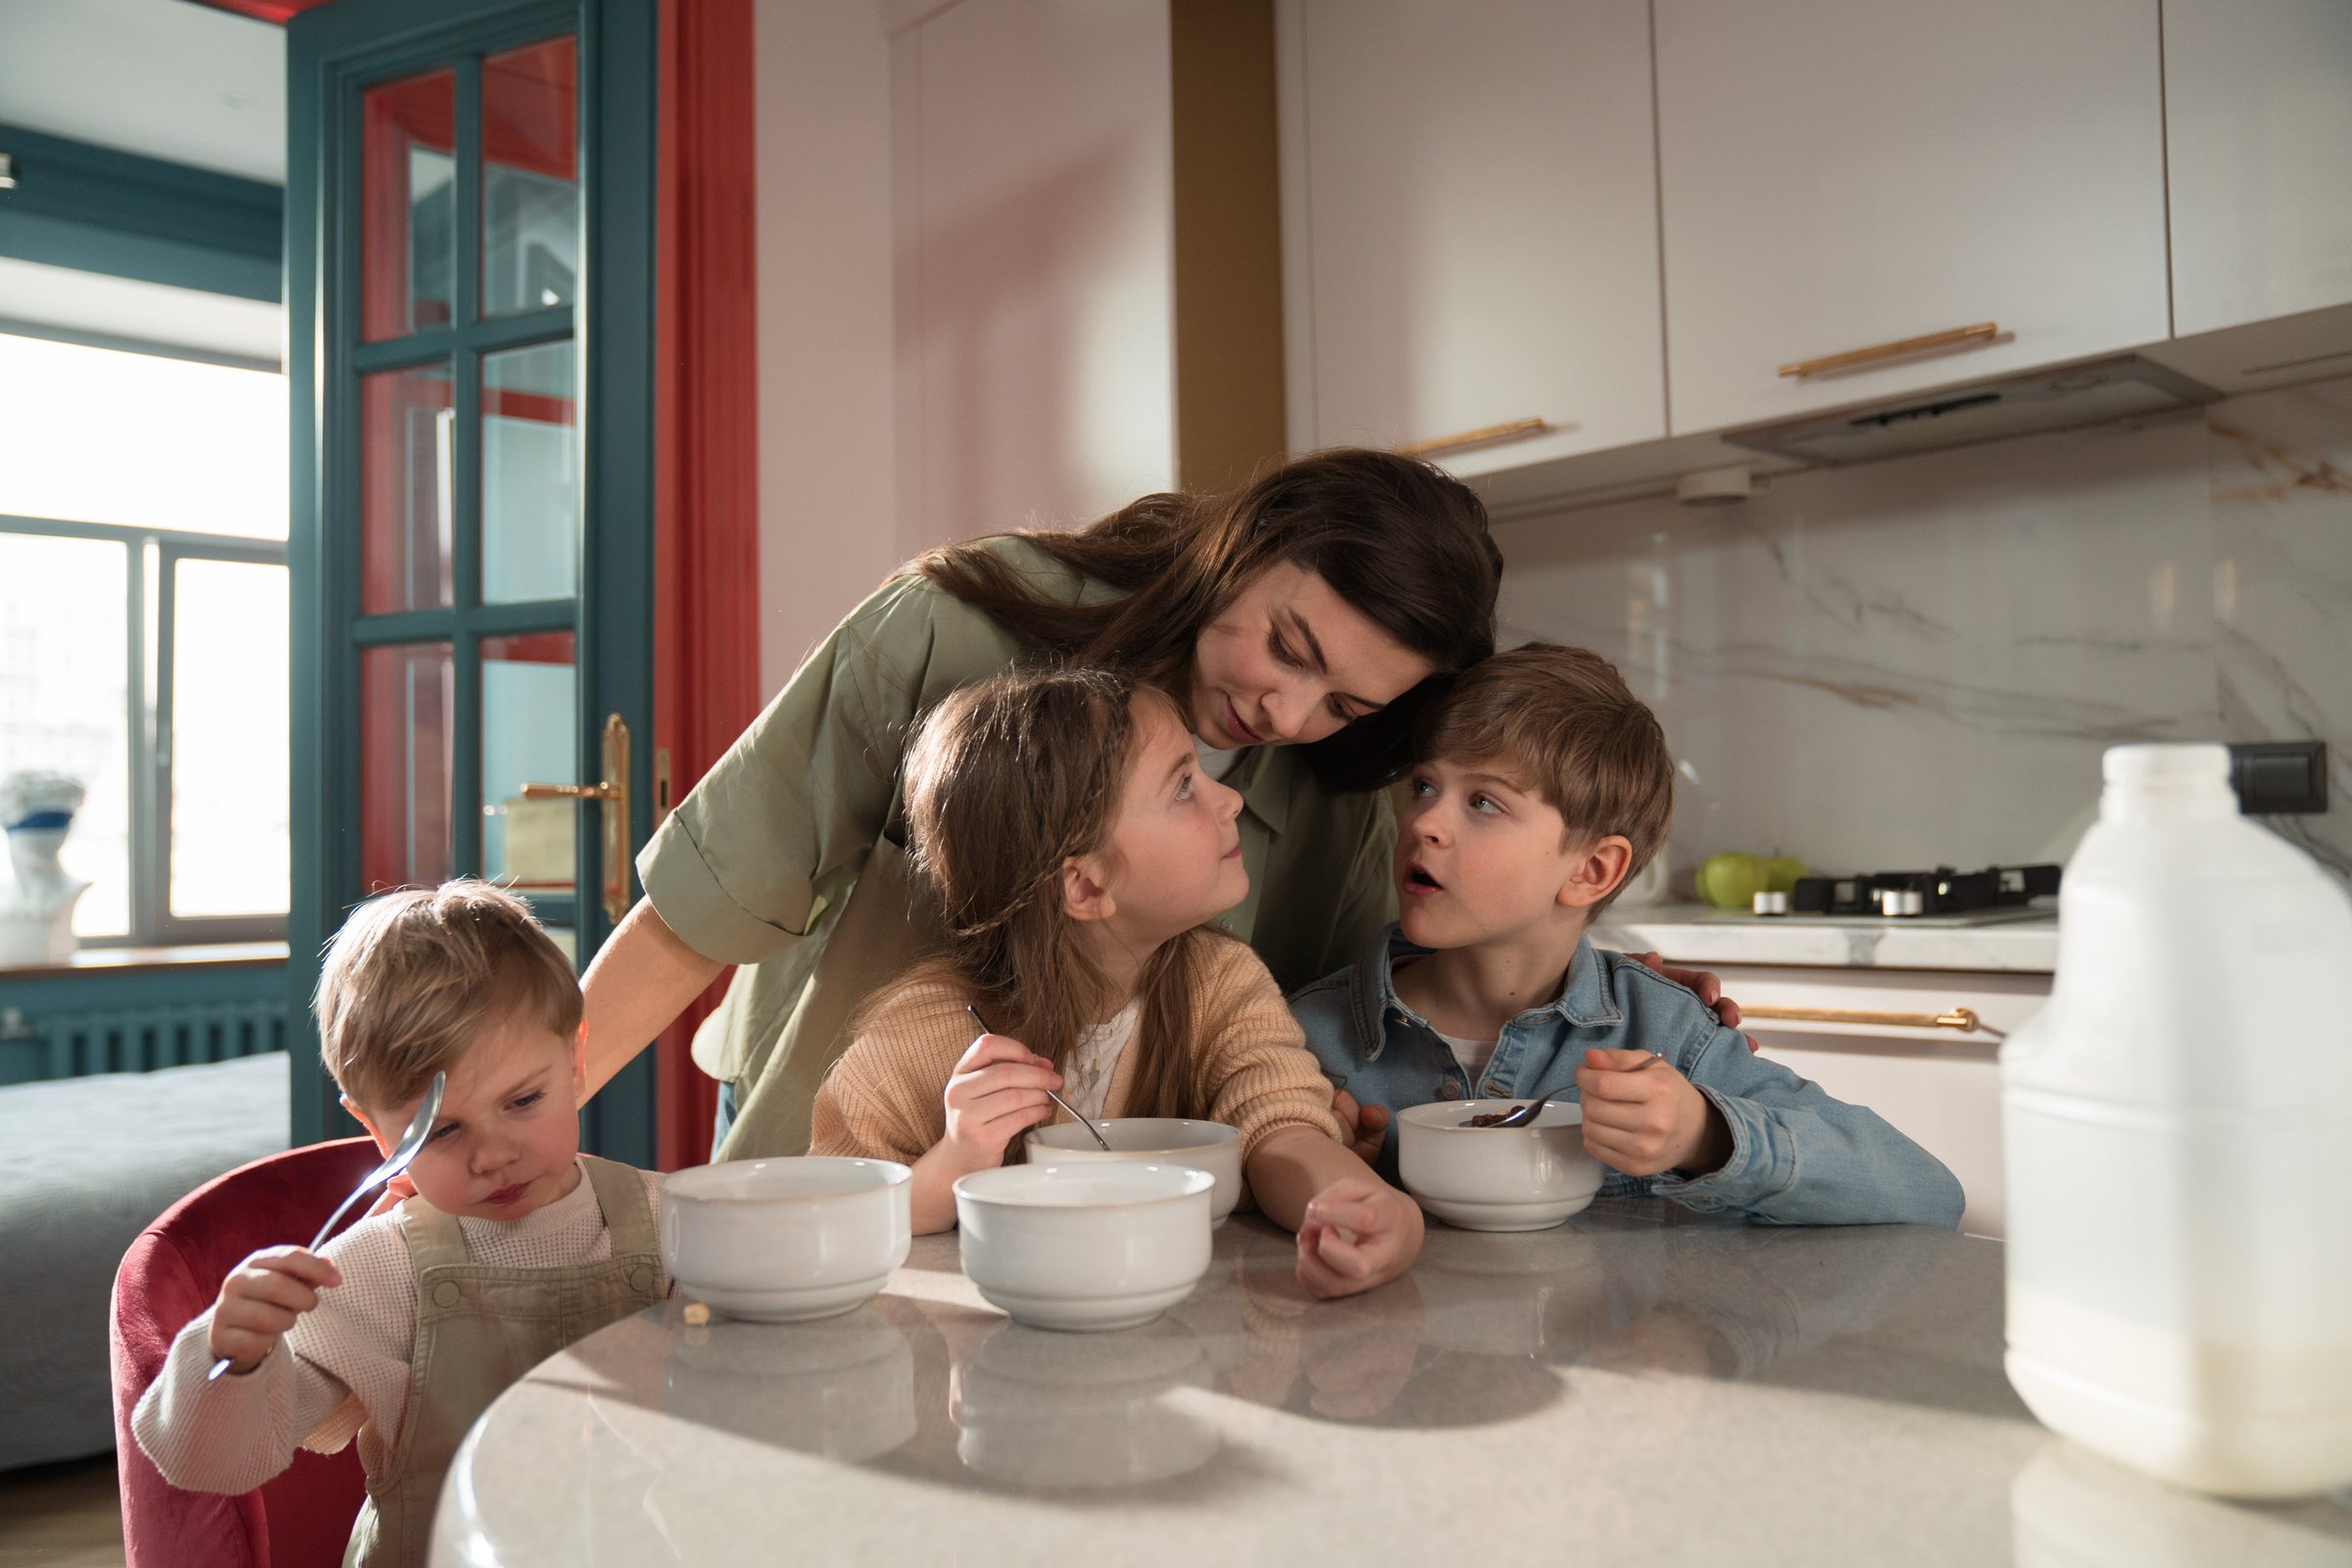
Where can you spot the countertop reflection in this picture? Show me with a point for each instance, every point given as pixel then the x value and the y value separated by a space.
pixel 1639 1385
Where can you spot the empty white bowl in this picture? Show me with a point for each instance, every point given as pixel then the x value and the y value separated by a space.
pixel 1209 1146
pixel 1105 1245
pixel 779 1240
pixel 1496 1178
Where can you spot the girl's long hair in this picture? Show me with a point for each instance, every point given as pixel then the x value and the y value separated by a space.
pixel 1404 544
pixel 1006 780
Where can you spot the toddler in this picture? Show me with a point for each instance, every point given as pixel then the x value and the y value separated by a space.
pixel 401 1330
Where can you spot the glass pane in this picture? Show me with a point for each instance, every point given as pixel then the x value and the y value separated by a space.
pixel 406 426
pixel 65 693
pixel 228 739
pixel 407 703
pixel 408 206
pixel 530 179
pixel 101 436
pixel 530 452
pixel 530 735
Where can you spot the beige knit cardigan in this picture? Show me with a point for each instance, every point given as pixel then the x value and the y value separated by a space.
pixel 884 1097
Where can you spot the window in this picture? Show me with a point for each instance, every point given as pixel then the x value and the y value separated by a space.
pixel 143 627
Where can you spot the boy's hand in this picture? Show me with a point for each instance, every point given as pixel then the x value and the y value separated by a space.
pixel 997 1090
pixel 1642 1117
pixel 1366 1126
pixel 1708 987
pixel 261 1300
pixel 1357 1233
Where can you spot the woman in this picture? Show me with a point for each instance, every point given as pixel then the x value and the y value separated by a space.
pixel 1298 619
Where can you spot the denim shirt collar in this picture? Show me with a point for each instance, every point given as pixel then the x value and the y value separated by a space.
pixel 1372 1001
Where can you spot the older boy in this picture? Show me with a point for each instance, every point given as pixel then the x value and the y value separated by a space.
pixel 401 1330
pixel 1544 784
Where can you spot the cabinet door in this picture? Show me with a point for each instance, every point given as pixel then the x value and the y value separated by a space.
pixel 1840 174
pixel 1470 206
pixel 2258 106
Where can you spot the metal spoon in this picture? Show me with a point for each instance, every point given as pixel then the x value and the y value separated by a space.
pixel 1521 1115
pixel 1049 1093
pixel 394 1164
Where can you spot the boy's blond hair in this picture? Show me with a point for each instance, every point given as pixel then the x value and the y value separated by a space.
pixel 415 976
pixel 1561 722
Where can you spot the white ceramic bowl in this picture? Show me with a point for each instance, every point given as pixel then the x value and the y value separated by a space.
pixel 781 1239
pixel 1496 1178
pixel 1209 1146
pixel 1105 1245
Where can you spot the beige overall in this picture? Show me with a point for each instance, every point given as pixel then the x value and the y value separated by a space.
pixel 478 1331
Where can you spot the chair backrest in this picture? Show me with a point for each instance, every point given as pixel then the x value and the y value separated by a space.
pixel 173 1272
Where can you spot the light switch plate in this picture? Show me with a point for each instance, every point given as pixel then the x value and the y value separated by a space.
pixel 2274 778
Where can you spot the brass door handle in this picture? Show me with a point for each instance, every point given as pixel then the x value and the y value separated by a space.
pixel 1483 436
pixel 1958 337
pixel 614 794
pixel 1963 1019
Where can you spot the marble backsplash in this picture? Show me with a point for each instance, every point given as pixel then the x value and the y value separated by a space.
pixel 1921 661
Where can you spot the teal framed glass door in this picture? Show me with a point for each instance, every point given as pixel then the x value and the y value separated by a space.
pixel 469 221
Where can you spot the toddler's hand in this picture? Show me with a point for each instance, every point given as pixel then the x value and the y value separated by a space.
pixel 1357 1233
pixel 261 1300
pixel 1366 1126
pixel 997 1090
pixel 1642 1117
pixel 1705 984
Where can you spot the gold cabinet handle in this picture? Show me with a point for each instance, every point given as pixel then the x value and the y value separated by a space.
pixel 1959 336
pixel 1485 436
pixel 1963 1019
pixel 614 793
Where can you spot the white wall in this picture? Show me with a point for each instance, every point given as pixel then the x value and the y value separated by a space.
pixel 826 455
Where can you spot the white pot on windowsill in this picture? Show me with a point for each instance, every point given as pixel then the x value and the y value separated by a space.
pixel 36 915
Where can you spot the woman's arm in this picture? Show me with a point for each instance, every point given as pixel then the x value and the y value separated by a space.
pixel 640 981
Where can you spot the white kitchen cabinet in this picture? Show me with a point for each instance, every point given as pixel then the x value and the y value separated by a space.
pixel 2258 110
pixel 1085 228
pixel 1939 1087
pixel 1840 174
pixel 1470 225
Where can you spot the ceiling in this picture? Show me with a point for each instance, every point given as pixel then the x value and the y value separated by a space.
pixel 164 78
pixel 56 301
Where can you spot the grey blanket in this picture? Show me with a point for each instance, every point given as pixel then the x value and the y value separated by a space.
pixel 86 1164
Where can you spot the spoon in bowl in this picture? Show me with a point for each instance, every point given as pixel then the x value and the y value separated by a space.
pixel 1049 1093
pixel 393 1164
pixel 1521 1115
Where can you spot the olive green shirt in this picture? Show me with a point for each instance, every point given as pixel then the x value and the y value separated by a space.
pixel 789 857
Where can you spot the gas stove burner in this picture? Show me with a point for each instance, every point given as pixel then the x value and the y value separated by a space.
pixel 1943 891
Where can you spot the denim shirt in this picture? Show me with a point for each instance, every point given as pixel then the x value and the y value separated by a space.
pixel 1798 1157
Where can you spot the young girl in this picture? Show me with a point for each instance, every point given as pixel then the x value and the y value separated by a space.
pixel 1075 849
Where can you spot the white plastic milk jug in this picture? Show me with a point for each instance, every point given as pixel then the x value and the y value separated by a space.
pixel 2176 1129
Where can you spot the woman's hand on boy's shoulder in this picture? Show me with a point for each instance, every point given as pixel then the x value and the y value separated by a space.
pixel 1704 983
pixel 1358 1232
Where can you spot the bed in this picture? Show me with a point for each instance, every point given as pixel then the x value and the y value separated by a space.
pixel 85 1163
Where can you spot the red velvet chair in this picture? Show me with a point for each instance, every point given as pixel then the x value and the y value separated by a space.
pixel 173 1272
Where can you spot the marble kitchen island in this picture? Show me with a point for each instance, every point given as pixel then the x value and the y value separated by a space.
pixel 1638 1386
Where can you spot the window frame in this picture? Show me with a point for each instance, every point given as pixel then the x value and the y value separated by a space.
pixel 149 612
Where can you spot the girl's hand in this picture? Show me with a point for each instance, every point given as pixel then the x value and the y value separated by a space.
pixel 1357 1233
pixel 1366 1126
pixel 261 1300
pixel 1642 1117
pixel 1706 983
pixel 998 1091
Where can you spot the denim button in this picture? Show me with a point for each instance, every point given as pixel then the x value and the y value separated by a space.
pixel 1450 1090
pixel 447 1294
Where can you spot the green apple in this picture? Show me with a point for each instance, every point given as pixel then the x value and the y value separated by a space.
pixel 1780 872
pixel 1731 880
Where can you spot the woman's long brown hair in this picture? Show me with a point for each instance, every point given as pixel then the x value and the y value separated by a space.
pixel 1006 780
pixel 1402 542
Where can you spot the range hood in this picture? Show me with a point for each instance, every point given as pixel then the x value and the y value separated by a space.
pixel 1983 411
